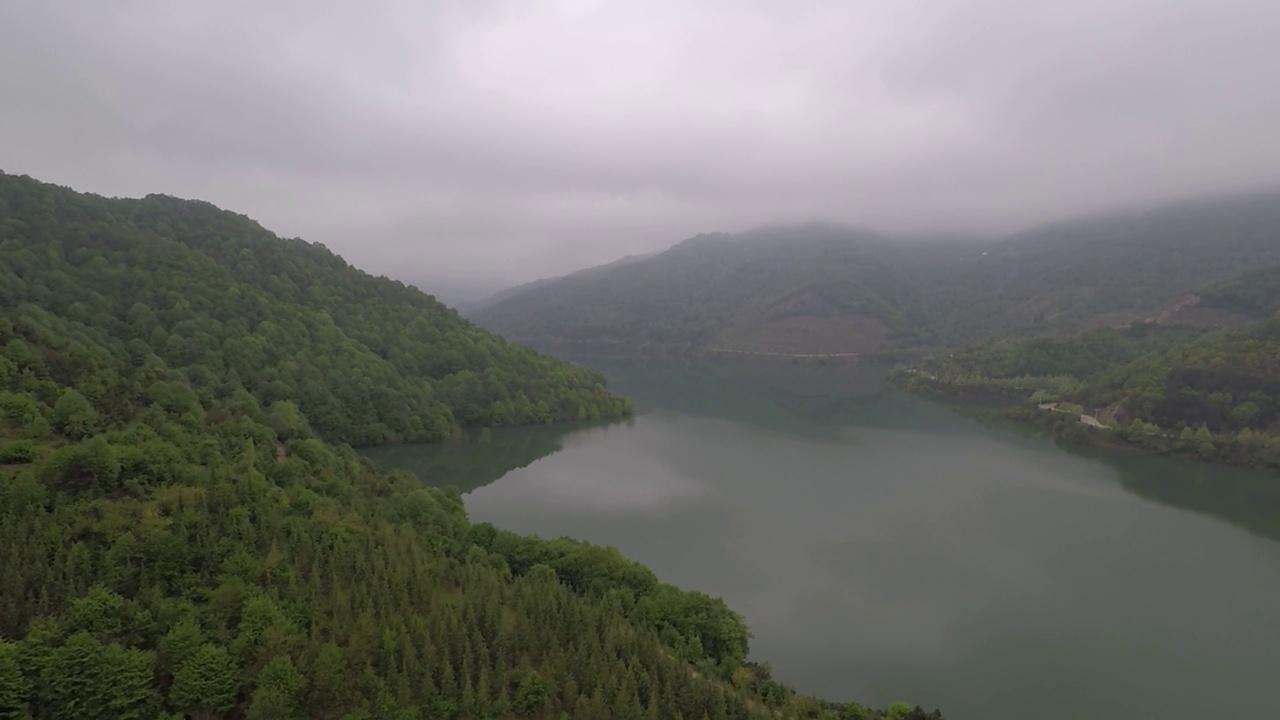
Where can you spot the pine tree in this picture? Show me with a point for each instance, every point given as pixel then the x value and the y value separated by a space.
pixel 15 688
pixel 330 686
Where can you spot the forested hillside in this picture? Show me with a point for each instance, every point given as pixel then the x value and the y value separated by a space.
pixel 1122 267
pixel 180 541
pixel 816 288
pixel 168 552
pixel 211 293
pixel 526 287
pixel 1255 292
pixel 1229 383
pixel 1038 360
pixel 1209 394
pixel 820 289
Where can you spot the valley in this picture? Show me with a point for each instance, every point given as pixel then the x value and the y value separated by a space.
pixel 188 531
pixel 1156 321
pixel 192 532
pixel 500 360
pixel 876 542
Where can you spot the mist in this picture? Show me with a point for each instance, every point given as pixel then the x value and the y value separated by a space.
pixel 470 145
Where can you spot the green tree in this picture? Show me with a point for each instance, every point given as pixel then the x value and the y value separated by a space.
pixel 277 688
pixel 131 694
pixel 90 466
pixel 206 683
pixel 1204 442
pixel 180 644
pixel 25 414
pixel 330 689
pixel 19 452
pixel 288 421
pixel 86 679
pixel 15 687
pixel 100 611
pixel 74 416
pixel 898 711
pixel 1244 415
pixel 532 695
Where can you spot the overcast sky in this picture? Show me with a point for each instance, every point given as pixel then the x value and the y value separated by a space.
pixel 486 142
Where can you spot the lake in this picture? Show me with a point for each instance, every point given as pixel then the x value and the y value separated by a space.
pixel 885 548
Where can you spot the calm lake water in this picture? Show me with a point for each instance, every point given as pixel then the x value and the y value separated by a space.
pixel 885 548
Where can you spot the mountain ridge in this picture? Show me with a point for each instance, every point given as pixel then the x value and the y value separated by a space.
pixel 818 288
pixel 219 296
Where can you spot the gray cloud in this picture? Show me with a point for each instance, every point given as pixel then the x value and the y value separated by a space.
pixel 492 141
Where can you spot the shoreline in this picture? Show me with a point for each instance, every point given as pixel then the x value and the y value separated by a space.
pixel 1068 430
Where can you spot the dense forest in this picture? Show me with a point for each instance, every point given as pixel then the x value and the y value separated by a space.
pixel 1061 361
pixel 823 289
pixel 184 538
pixel 1126 266
pixel 1256 292
pixel 212 294
pixel 1209 394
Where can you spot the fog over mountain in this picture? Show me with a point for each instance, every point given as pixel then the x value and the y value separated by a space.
pixel 476 144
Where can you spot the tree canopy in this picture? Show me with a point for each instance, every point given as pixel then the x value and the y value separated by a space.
pixel 229 306
pixel 1211 394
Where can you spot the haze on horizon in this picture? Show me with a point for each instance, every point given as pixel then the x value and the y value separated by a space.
pixel 476 144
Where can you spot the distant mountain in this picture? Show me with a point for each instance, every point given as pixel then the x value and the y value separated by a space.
pixel 459 294
pixel 1254 292
pixel 1117 267
pixel 475 306
pixel 825 289
pixel 814 288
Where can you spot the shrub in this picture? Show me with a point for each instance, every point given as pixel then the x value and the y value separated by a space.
pixel 19 452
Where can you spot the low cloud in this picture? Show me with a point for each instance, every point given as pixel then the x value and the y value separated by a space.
pixel 485 142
